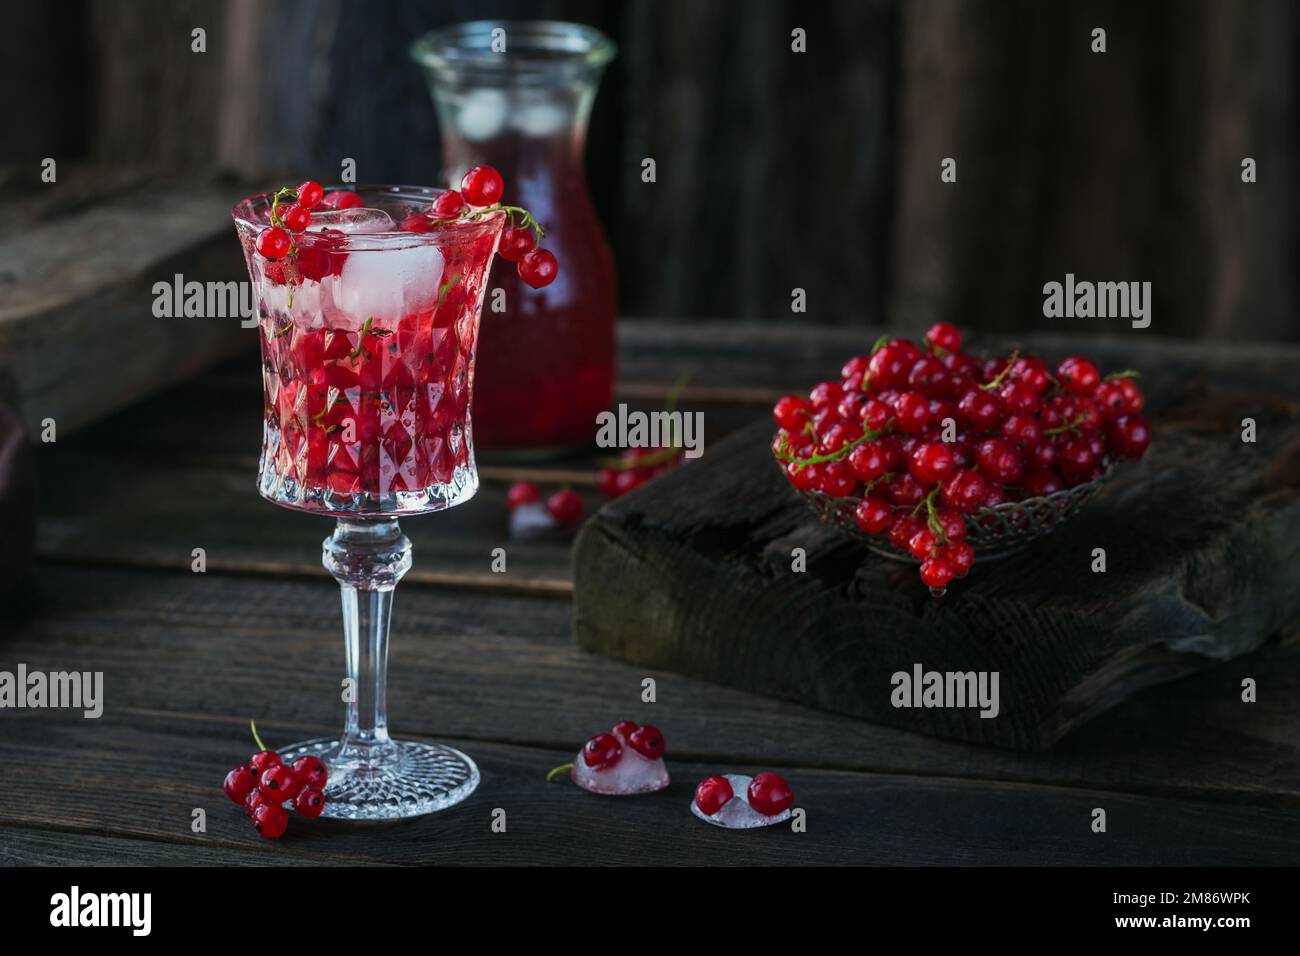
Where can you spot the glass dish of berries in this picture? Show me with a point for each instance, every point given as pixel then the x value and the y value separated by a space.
pixel 937 457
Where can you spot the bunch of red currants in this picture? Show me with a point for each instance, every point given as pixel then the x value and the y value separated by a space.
pixel 480 192
pixel 265 786
pixel 927 436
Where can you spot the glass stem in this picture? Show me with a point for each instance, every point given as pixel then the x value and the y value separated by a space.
pixel 367 558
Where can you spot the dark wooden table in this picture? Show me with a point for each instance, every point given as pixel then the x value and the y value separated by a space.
pixel 1187 773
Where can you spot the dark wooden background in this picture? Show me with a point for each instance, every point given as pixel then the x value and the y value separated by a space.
pixel 776 170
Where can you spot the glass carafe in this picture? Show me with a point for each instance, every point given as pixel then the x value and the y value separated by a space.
pixel 518 95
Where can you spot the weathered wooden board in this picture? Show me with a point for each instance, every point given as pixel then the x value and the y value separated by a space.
pixel 516 695
pixel 693 574
pixel 78 334
pixel 505 669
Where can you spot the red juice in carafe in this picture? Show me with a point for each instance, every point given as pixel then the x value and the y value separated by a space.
pixel 546 356
pixel 546 361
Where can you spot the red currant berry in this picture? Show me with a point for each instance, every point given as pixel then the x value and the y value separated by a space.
pixel 273 243
pixel 856 367
pixel 1057 412
pixel 342 199
pixel 911 412
pixel 1019 397
pixel 869 461
pixel 962 365
pixel 623 730
pixel 310 194
pixel 565 506
pixel 270 820
pixel 937 572
pixel 1087 415
pixel 837 436
pixel 1077 375
pixel 278 783
pixel 1133 397
pixel 239 783
pixel 311 772
pixel 903 529
pixel 522 493
pixel 791 413
pixel 951 523
pixel 712 794
pixel 905 491
pixel 1129 436
pixel 966 492
pixel 482 186
pixel 825 395
pixel 1040 482
pixel 263 761
pixel 538 268
pixel 960 557
pixel 1075 458
pixel 601 751
pixel 254 800
pixel 769 794
pixel 803 477
pixel 1042 455
pixel 1032 371
pixel 837 479
pixel 980 410
pixel 647 741
pixel 931 377
pixel 824 420
pixel 889 368
pixel 295 218
pixel 309 803
pixel 873 515
pixel 1000 461
pixel 876 414
pixel 516 242
pixel 922 544
pixel 1022 429
pixel 448 205
pixel 944 336
pixel 932 462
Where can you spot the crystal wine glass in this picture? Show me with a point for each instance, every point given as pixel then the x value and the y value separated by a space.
pixel 368 337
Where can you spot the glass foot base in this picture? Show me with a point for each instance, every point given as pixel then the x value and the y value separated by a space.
pixel 394 781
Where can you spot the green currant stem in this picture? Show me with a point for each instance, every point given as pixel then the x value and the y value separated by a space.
pixel 252 725
pixel 1001 376
pixel 1127 373
pixel 558 770
pixel 784 453
pixel 511 212
pixel 1062 429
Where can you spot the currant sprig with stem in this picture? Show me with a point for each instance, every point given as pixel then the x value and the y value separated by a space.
pixel 783 453
pixel 526 217
pixel 1002 375
pixel 1067 427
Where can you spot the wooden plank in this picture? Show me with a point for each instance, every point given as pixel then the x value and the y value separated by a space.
pixel 693 574
pixel 852 818
pixel 26 846
pixel 78 337
pixel 506 670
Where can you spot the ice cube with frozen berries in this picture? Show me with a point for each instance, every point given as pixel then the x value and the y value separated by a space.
pixel 627 760
pixel 737 802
